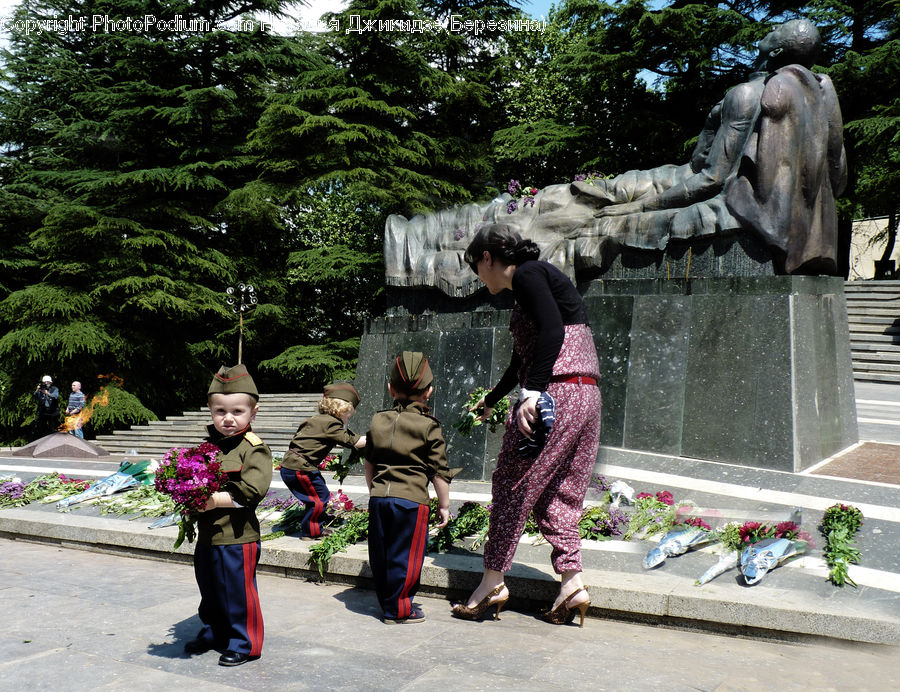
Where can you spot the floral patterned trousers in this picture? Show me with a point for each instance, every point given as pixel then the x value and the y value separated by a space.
pixel 553 484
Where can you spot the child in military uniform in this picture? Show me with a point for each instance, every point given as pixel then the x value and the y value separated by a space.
pixel 405 449
pixel 314 439
pixel 228 544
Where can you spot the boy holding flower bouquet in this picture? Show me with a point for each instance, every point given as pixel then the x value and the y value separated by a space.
pixel 314 439
pixel 228 538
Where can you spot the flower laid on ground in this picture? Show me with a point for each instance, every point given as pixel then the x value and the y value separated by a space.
pixel 652 514
pixel 688 515
pixel 273 500
pixel 190 475
pixel 142 501
pixel 49 488
pixel 601 524
pixel 760 557
pixel 520 194
pixel 471 519
pixel 620 493
pixel 839 524
pixel 354 529
pixel 470 419
pixel 677 541
pixel 339 503
pixel 12 492
pixel 691 528
pixel 663 496
pixel 599 484
pixel 130 475
pixel 736 537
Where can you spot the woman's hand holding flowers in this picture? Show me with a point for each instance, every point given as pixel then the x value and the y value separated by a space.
pixel 485 410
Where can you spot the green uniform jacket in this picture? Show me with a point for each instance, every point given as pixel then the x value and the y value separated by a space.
pixel 314 439
pixel 248 462
pixel 407 448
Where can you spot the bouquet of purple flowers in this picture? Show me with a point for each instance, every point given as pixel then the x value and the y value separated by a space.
pixel 190 475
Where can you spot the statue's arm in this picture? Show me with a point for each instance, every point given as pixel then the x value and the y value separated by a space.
pixel 738 115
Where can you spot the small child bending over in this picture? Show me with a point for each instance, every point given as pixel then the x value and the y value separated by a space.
pixel 314 439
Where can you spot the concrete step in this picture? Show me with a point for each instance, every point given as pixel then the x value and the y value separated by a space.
pixel 871 286
pixel 863 321
pixel 874 367
pixel 873 338
pixel 869 348
pixel 888 329
pixel 277 421
pixel 881 311
pixel 875 359
pixel 881 377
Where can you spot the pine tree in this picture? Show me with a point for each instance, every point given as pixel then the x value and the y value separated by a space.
pixel 373 117
pixel 126 150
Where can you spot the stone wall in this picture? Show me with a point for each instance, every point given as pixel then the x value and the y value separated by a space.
pixel 753 371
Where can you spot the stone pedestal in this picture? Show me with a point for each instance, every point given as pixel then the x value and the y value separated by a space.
pixel 754 371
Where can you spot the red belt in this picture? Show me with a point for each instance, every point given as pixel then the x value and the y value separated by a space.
pixel 574 379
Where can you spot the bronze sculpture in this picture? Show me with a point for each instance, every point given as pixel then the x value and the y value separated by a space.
pixel 769 161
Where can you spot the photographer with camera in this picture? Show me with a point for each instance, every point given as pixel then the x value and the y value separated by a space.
pixel 47 397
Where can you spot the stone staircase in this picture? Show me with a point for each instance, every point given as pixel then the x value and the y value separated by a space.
pixel 277 421
pixel 873 314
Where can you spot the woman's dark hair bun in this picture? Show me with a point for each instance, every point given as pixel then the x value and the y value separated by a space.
pixel 503 243
pixel 526 250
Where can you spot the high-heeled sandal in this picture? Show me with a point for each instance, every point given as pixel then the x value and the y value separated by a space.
pixel 562 614
pixel 476 612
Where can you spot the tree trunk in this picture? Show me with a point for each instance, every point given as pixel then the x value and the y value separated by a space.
pixel 884 268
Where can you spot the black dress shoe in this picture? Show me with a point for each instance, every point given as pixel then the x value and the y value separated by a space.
pixel 196 646
pixel 233 658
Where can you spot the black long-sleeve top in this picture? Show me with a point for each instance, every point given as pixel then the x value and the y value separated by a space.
pixel 550 299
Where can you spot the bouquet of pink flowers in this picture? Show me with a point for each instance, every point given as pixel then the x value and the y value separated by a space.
pixel 335 462
pixel 190 475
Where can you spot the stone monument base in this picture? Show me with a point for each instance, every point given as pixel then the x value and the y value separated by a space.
pixel 754 371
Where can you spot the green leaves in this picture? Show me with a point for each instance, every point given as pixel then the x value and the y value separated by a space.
pixel 354 529
pixel 839 524
pixel 471 520
pixel 316 362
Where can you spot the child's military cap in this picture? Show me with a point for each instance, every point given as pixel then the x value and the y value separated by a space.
pixel 233 380
pixel 343 391
pixel 411 372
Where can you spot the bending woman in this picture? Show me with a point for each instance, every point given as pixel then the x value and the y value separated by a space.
pixel 553 352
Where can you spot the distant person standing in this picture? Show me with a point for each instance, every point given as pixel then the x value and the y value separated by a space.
pixel 47 397
pixel 73 410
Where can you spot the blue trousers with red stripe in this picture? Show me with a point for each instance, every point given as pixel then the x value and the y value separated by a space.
pixel 310 491
pixel 398 536
pixel 229 602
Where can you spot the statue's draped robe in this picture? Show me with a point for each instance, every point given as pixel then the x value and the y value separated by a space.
pixel 793 169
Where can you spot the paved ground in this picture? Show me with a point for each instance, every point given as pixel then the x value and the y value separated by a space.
pixel 77 620
pixel 123 634
pixel 878 411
